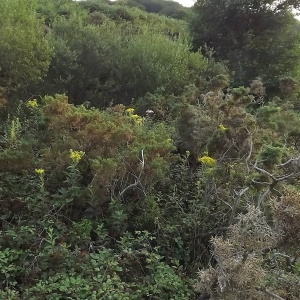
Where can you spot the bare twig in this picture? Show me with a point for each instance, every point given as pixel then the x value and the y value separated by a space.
pixel 237 197
pixel 137 181
pixel 275 179
pixel 212 232
pixel 250 150
pixel 263 196
pixel 291 161
pixel 274 296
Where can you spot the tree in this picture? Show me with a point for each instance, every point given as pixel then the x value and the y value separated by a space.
pixel 123 57
pixel 256 38
pixel 25 51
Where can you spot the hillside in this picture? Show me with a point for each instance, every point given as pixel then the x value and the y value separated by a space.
pixel 149 151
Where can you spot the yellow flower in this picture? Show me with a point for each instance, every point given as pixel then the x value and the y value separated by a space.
pixel 187 152
pixel 169 140
pixel 207 160
pixel 40 171
pixel 222 127
pixel 32 103
pixel 134 116
pixel 76 156
pixel 139 121
pixel 198 183
pixel 130 110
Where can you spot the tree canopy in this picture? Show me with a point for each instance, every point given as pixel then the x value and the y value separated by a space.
pixel 25 51
pixel 171 9
pixel 256 38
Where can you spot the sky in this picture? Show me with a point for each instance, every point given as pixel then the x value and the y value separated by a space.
pixel 187 3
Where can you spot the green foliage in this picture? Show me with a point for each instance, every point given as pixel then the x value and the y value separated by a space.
pixel 154 61
pixel 98 278
pixel 214 123
pixel 115 54
pixel 169 8
pixel 130 202
pixel 271 155
pixel 9 270
pixel 25 50
pixel 249 35
pixel 47 236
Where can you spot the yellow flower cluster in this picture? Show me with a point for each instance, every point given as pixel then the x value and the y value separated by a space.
pixel 137 119
pixel 76 156
pixel 32 103
pixel 130 110
pixel 207 160
pixel 222 127
pixel 40 171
